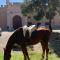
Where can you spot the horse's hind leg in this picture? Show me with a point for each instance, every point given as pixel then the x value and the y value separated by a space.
pixel 47 50
pixel 43 48
pixel 25 53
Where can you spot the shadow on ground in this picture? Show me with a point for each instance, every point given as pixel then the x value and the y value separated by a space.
pixel 55 43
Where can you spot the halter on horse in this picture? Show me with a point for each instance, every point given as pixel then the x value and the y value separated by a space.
pixel 39 35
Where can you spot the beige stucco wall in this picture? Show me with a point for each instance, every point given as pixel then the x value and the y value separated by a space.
pixel 13 10
pixel 3 18
pixel 56 21
pixel 6 16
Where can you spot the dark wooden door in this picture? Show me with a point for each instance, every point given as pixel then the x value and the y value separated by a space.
pixel 17 22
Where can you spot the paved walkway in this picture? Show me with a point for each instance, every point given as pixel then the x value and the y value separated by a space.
pixel 56 31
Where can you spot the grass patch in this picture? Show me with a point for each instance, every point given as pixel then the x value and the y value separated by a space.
pixel 32 55
pixel 1 56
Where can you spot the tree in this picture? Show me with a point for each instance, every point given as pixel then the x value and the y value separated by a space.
pixel 39 8
pixel 35 6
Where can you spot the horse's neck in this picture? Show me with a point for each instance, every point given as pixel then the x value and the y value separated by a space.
pixel 30 29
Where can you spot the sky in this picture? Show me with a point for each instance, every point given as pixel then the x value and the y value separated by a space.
pixel 3 2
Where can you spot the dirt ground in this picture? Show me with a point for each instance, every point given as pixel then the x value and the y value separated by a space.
pixel 4 38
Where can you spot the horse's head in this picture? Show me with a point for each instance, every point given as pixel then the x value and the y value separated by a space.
pixel 7 56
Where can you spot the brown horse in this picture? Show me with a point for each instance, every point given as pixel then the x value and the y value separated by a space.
pixel 39 35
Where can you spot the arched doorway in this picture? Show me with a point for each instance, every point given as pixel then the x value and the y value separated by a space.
pixel 17 22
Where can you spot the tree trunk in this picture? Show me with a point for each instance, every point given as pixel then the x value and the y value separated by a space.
pixel 50 25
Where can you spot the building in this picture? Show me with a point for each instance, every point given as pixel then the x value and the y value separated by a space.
pixel 12 18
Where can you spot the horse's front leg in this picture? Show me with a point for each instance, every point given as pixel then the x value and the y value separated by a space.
pixel 25 53
pixel 7 50
pixel 43 48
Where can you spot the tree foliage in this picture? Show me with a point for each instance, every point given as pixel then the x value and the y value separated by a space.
pixel 39 8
